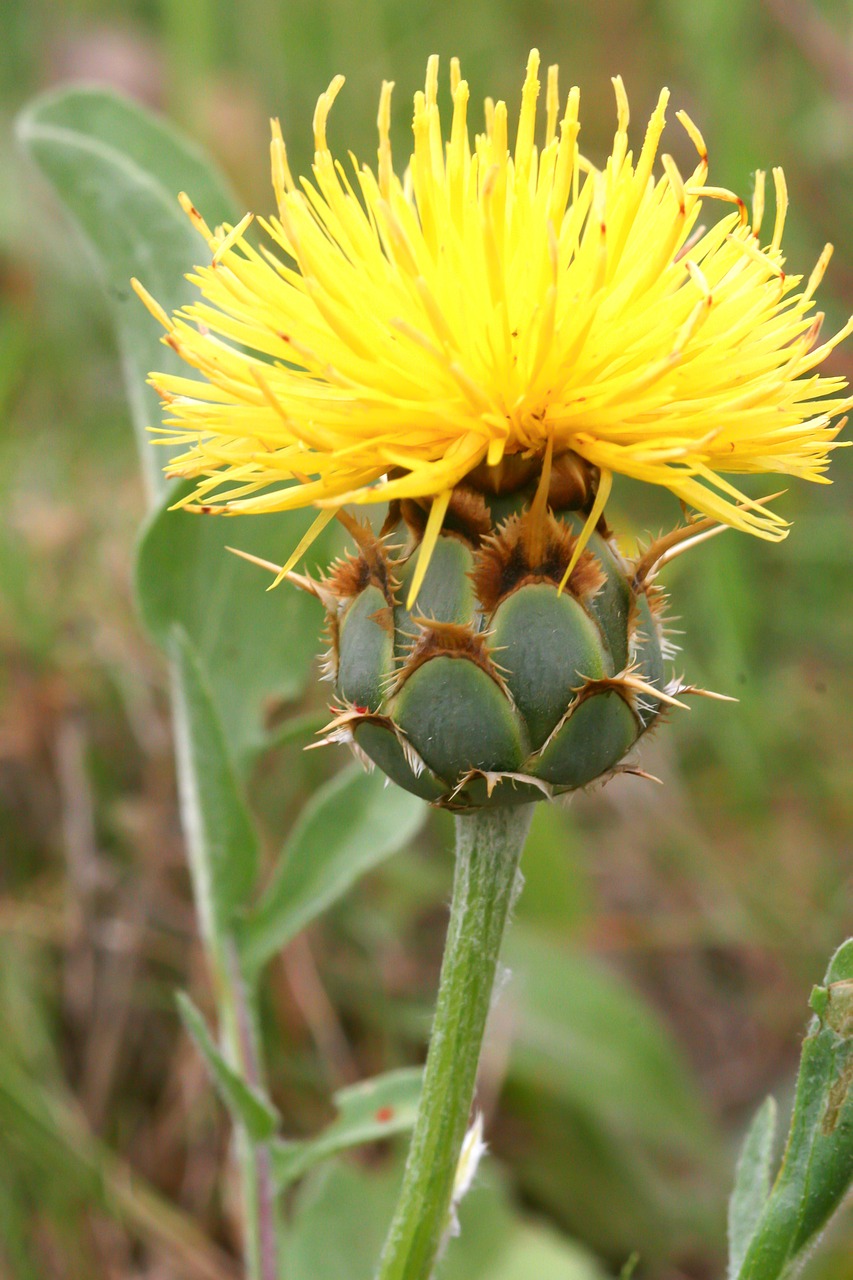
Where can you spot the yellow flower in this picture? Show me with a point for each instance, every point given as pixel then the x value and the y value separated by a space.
pixel 394 332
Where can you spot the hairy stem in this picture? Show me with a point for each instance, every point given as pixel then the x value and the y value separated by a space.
pixel 488 848
pixel 259 1198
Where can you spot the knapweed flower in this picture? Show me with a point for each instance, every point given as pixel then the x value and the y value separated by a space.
pixel 482 343
pixel 393 332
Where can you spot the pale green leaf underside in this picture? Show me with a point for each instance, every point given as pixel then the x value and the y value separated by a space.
pixel 256 645
pixel 221 839
pixel 368 1112
pixel 118 170
pixel 752 1184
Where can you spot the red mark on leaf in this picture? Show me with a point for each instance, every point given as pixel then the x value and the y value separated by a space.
pixel 384 1114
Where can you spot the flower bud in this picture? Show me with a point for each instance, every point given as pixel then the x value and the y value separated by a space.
pixel 499 685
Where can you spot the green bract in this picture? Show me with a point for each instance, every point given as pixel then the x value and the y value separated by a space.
pixel 496 687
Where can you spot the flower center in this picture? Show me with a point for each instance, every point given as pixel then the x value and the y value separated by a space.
pixel 572 486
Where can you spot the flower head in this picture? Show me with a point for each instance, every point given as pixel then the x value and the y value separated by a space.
pixel 500 297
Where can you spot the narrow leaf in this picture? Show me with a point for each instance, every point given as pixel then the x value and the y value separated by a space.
pixel 223 845
pixel 118 170
pixel 817 1168
pixel 593 1071
pixel 247 1104
pixel 752 1184
pixel 367 1112
pixel 255 644
pixel 352 824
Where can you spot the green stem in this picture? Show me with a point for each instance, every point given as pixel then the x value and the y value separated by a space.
pixel 258 1189
pixel 237 1034
pixel 252 1158
pixel 488 848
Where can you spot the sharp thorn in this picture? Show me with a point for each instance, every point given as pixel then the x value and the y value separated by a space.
pixel 665 549
pixel 262 564
pixel 688 690
pixel 641 773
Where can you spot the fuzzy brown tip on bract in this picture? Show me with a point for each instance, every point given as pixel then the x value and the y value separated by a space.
pixel 370 565
pixel 467 516
pixel 447 640
pixel 331 659
pixel 503 563
pixel 348 576
pixel 658 602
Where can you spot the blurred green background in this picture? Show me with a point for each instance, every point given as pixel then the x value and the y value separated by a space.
pixel 667 938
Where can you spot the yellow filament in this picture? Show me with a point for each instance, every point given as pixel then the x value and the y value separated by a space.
pixel 317 527
pixel 402 324
pixel 605 484
pixel 436 516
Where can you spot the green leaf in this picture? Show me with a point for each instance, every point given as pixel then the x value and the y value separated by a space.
pixel 342 1211
pixel 593 1072
pixel 840 971
pixel 367 1112
pixel 817 1167
pixel 255 644
pixel 535 1249
pixel 118 170
pixel 584 1032
pixel 348 827
pixel 222 843
pixel 752 1183
pixel 247 1104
